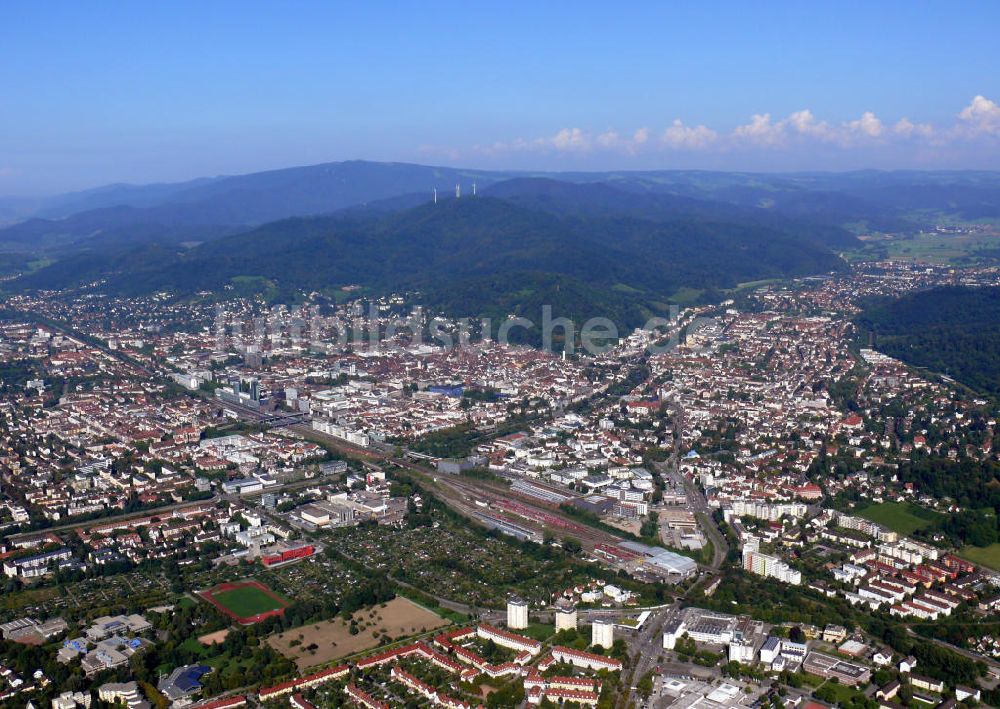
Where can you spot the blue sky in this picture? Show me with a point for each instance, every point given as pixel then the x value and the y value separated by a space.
pixel 98 92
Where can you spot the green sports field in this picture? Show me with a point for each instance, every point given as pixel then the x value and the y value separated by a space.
pixel 901 517
pixel 247 601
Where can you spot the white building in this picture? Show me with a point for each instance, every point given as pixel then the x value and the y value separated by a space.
pixel 517 613
pixel 565 617
pixel 741 651
pixel 769 511
pixel 771 566
pixel 770 650
pixel 72 700
pixel 602 634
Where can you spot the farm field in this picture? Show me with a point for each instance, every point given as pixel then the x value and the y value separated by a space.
pixel 956 249
pixel 985 556
pixel 900 517
pixel 319 643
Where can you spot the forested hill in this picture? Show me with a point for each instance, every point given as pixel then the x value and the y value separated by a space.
pixel 601 199
pixel 951 330
pixel 471 257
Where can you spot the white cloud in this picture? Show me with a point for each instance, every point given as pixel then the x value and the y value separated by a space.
pixel 869 126
pixel 804 123
pixel 761 130
pixel 612 140
pixel 571 139
pixel 803 126
pixel 609 139
pixel 679 135
pixel 908 129
pixel 981 116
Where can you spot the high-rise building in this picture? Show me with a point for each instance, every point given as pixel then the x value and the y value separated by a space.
pixel 565 617
pixel 602 634
pixel 771 566
pixel 517 613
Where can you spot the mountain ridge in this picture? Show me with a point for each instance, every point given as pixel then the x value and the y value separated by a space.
pixel 467 257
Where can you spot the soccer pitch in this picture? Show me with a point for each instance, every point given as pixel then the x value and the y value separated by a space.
pixel 248 601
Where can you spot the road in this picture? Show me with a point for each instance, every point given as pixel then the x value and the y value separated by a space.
pixel 699 505
pixel 704 515
pixel 644 649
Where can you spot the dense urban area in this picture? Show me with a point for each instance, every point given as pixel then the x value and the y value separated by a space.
pixel 220 505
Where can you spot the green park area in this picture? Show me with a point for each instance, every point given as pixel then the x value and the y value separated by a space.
pixel 248 601
pixel 984 556
pixel 902 517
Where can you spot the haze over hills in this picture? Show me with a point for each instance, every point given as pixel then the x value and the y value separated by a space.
pixel 468 257
pixel 624 243
pixel 592 199
pixel 212 206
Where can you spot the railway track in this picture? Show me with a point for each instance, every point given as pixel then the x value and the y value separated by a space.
pixel 462 493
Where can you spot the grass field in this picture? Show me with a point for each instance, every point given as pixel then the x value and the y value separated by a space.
pixel 984 556
pixel 248 601
pixel 844 694
pixel 931 247
pixel 901 517
pixel 320 643
pixel 245 601
pixel 539 631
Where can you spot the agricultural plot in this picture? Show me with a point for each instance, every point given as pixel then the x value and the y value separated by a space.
pixel 133 591
pixel 955 249
pixel 319 643
pixel 319 579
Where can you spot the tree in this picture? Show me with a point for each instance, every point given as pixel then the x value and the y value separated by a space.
pixel 645 685
pixel 651 527
pixel 572 545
